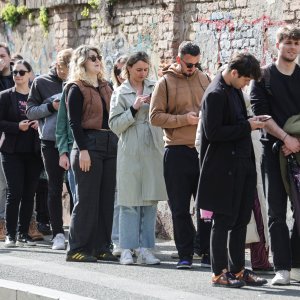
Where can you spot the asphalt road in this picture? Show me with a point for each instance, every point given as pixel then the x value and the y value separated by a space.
pixel 41 266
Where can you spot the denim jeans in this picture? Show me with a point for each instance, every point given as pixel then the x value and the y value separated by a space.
pixel 115 228
pixel 71 179
pixel 137 226
pixel 3 189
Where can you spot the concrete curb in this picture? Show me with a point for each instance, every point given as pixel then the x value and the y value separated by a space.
pixel 11 290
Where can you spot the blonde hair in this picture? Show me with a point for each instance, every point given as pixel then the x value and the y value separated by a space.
pixel 78 60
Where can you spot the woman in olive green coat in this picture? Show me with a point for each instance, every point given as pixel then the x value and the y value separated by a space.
pixel 140 181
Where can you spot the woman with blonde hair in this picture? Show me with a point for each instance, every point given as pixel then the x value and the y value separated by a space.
pixel 93 158
pixel 140 183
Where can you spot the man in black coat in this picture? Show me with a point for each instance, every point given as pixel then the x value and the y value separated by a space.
pixel 228 176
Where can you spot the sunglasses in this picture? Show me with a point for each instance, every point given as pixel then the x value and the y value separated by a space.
pixel 190 65
pixel 21 72
pixel 93 58
pixel 118 72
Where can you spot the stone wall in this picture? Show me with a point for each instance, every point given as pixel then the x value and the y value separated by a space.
pixel 155 26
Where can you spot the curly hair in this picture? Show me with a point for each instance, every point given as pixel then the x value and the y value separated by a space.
pixel 77 64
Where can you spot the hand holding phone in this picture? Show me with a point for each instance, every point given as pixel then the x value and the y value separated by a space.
pixel 264 118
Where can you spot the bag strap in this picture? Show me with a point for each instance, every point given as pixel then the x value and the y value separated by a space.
pixel 266 71
pixel 167 92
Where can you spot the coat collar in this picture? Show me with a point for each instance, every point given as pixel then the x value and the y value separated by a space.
pixel 126 88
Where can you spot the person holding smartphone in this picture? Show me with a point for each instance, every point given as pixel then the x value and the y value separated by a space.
pixel 20 155
pixel 140 183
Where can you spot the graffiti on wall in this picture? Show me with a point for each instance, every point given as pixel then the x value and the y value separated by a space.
pixel 112 49
pixel 227 35
pixel 38 50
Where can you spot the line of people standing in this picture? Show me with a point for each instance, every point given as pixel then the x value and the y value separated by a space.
pixel 115 140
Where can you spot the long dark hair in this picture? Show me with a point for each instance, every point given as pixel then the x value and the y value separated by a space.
pixel 25 63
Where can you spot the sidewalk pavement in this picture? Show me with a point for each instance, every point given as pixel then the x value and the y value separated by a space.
pixel 41 273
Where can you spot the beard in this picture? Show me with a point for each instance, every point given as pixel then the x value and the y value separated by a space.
pixel 288 59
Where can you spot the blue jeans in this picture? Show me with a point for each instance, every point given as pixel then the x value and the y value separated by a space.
pixel 71 179
pixel 137 226
pixel 116 225
pixel 3 189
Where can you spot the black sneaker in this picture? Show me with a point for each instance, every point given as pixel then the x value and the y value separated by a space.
pixel 205 261
pixel 81 257
pixel 184 263
pixel 44 228
pixel 107 256
pixel 25 240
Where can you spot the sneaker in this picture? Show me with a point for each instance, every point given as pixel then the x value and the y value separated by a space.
pixel 10 241
pixel 126 257
pixel 81 257
pixel 25 240
pixel 117 251
pixel 59 242
pixel 205 261
pixel 2 230
pixel 265 271
pixel 146 257
pixel 250 278
pixel 34 233
pixel 107 256
pixel 44 228
pixel 184 263
pixel 282 277
pixel 228 280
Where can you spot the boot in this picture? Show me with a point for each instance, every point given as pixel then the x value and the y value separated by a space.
pixel 2 230
pixel 34 233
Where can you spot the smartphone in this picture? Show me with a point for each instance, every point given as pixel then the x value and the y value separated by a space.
pixel 265 118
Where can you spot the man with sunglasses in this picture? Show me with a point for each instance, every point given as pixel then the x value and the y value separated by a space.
pixel 42 105
pixel 6 82
pixel 175 107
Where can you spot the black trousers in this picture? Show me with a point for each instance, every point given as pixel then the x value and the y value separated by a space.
pixel 285 250
pixel 234 258
pixel 181 172
pixel 92 216
pixel 22 171
pixel 55 175
pixel 41 197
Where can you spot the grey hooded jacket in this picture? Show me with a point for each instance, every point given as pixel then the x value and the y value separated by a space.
pixel 43 91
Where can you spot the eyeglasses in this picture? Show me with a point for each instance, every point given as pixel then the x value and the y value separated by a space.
pixel 118 72
pixel 21 72
pixel 190 65
pixel 93 58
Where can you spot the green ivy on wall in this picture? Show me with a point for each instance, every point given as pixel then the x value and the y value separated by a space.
pixel 44 19
pixel 12 14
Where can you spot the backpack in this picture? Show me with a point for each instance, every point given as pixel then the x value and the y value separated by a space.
pixel 266 73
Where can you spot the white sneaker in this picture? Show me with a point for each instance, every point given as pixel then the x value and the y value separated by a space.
pixel 282 277
pixel 126 257
pixel 10 242
pixel 117 251
pixel 147 257
pixel 59 242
